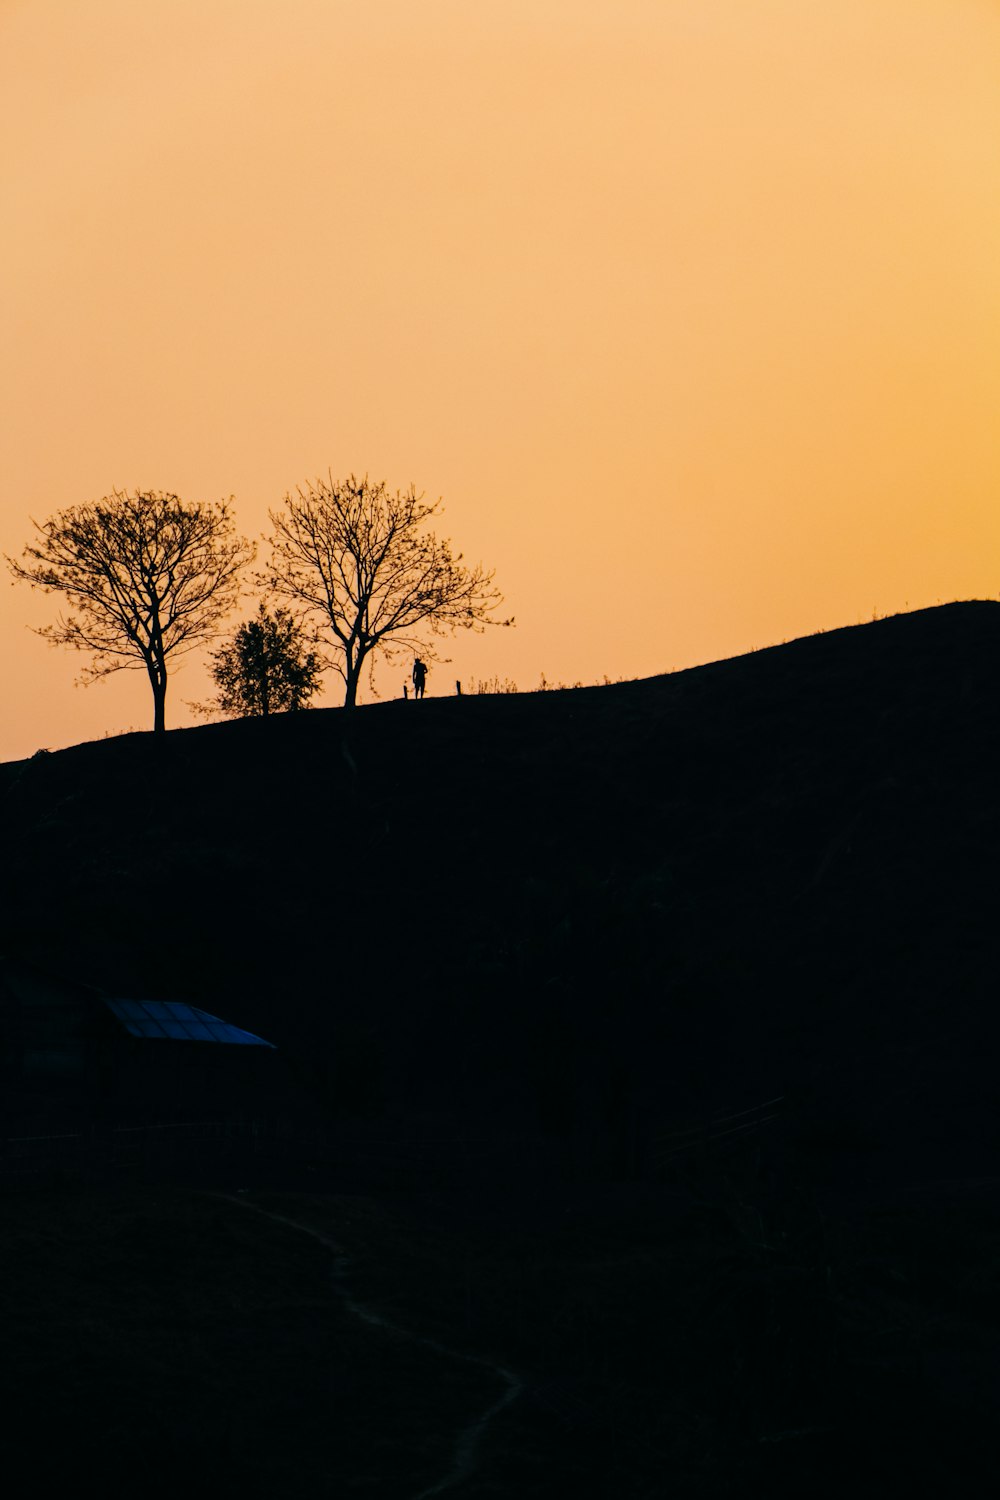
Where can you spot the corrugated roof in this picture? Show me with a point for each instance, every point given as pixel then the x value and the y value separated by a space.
pixel 174 1020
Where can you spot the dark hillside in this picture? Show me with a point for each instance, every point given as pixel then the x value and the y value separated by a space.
pixel 584 911
pixel 546 930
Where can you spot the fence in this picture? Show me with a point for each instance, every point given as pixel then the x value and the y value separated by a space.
pixel 261 1147
pixel 705 1136
pixel 371 1161
pixel 96 1153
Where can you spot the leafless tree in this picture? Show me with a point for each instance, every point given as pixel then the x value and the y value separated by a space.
pixel 358 560
pixel 148 577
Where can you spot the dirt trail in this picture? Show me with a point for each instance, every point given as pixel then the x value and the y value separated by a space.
pixel 464 1452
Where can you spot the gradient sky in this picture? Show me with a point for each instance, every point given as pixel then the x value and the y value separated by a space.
pixel 688 309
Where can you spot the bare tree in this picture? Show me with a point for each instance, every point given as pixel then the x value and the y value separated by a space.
pixel 148 577
pixel 358 559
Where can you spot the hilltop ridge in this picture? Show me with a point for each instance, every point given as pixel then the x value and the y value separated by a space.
pixel 773 872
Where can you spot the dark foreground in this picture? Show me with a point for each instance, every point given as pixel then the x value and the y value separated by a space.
pixel 157 1339
pixel 557 926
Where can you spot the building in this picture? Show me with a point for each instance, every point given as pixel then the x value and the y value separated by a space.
pixel 71 1053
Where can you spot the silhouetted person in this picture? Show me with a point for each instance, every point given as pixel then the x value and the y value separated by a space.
pixel 419 678
pixel 406 689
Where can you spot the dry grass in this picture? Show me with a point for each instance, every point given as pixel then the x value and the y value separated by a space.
pixel 665 1340
pixel 704 1341
pixel 159 1340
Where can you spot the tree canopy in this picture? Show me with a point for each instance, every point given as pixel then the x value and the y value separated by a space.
pixel 358 559
pixel 148 576
pixel 266 667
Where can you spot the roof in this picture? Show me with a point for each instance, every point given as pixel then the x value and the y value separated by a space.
pixel 173 1020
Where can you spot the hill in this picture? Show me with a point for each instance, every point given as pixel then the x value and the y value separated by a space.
pixel 589 910
pixel 552 929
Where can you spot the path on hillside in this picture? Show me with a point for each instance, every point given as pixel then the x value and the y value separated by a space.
pixel 466 1446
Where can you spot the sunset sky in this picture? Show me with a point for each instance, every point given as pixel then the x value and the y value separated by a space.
pixel 689 310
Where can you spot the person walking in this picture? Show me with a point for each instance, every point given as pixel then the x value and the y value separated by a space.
pixel 419 678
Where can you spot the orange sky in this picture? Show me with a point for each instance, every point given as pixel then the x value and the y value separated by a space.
pixel 688 309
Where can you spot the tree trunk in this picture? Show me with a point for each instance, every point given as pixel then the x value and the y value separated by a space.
pixel 355 654
pixel 158 682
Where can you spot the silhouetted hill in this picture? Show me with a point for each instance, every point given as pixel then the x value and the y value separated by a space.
pixel 586 908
